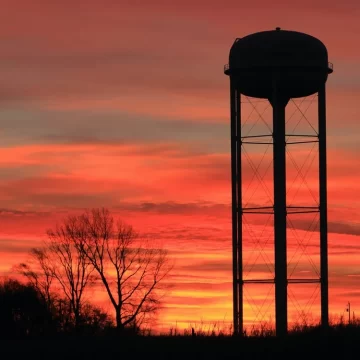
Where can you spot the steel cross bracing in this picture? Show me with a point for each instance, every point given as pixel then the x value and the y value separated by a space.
pixel 241 211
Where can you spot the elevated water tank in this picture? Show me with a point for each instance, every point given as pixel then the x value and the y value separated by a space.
pixel 296 63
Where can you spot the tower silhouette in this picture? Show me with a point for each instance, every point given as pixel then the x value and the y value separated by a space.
pixel 277 65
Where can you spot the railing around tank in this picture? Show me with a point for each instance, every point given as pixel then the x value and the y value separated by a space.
pixel 330 66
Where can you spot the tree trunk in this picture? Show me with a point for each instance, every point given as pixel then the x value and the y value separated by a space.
pixel 77 320
pixel 119 324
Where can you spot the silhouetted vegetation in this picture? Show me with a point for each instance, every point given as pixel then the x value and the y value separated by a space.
pixel 84 250
pixel 25 314
pixel 130 268
pixel 50 307
pixel 312 343
pixel 60 262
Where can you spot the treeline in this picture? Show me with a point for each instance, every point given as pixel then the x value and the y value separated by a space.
pixel 81 252
pixel 25 313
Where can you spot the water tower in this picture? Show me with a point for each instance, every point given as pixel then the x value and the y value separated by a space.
pixel 277 65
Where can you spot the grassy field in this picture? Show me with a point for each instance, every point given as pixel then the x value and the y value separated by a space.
pixel 314 344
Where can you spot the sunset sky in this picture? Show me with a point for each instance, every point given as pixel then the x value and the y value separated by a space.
pixel 124 104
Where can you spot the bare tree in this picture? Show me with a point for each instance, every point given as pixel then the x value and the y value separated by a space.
pixel 130 268
pixel 38 272
pixel 60 263
pixel 70 266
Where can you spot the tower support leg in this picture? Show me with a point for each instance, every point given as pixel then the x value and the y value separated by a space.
pixel 235 106
pixel 279 155
pixel 323 208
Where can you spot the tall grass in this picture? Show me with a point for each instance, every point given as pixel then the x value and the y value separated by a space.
pixel 224 328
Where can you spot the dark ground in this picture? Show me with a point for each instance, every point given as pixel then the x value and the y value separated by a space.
pixel 342 343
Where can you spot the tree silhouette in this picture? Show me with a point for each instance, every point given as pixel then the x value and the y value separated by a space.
pixel 59 262
pixel 23 311
pixel 95 320
pixel 130 269
pixel 38 272
pixel 70 267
